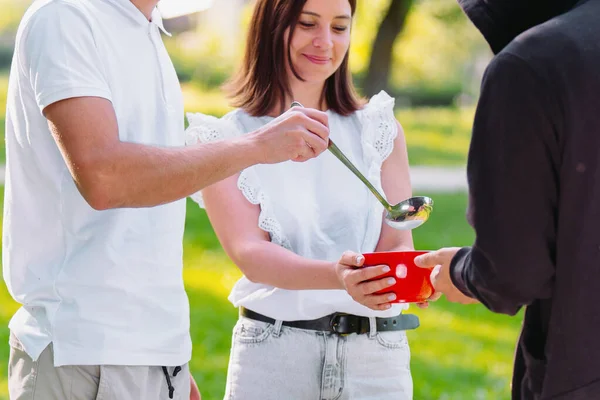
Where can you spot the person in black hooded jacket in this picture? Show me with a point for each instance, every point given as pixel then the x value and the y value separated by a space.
pixel 534 185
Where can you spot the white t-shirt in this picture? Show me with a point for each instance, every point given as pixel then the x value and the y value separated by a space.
pixel 105 287
pixel 317 209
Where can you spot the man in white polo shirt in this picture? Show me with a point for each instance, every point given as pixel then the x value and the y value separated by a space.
pixel 94 217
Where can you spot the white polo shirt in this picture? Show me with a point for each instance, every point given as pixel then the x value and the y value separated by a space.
pixel 105 287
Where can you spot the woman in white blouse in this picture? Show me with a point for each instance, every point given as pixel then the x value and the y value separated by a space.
pixel 310 325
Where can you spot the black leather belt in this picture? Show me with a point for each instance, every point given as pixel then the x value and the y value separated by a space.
pixel 343 324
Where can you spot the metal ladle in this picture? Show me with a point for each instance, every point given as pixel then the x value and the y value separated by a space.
pixel 406 215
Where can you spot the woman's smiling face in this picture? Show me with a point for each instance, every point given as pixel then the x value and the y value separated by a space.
pixel 321 39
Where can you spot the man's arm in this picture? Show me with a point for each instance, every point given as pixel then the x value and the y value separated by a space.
pixel 111 174
pixel 513 182
pixel 513 177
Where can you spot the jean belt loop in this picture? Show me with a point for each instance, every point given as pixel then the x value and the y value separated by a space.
pixel 372 327
pixel 277 328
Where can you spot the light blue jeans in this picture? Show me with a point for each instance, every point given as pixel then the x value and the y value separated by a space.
pixel 275 362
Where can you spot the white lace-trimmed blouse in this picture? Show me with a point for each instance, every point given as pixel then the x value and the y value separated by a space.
pixel 317 209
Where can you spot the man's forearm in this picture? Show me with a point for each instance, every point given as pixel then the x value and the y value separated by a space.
pixel 111 174
pixel 136 175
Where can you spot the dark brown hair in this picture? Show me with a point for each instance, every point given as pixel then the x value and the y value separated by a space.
pixel 262 81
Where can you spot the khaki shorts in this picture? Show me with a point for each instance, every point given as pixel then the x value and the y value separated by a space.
pixel 41 380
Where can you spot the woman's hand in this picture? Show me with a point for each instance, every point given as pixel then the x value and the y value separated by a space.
pixel 361 283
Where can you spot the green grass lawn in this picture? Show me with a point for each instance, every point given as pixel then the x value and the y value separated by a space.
pixel 458 353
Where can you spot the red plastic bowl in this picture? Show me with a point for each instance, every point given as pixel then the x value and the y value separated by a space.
pixel 412 283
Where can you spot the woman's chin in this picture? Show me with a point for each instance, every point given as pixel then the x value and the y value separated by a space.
pixel 315 77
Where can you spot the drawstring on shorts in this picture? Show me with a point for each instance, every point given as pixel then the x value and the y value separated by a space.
pixel 168 378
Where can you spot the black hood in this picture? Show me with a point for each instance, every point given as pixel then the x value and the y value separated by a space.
pixel 500 21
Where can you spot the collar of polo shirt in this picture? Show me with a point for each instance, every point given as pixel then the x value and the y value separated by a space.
pixel 135 14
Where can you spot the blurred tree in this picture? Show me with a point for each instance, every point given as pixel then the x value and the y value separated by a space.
pixel 391 26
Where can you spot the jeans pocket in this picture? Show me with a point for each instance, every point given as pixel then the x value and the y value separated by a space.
pixel 392 339
pixel 249 331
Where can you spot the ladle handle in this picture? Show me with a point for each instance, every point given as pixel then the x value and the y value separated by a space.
pixel 340 156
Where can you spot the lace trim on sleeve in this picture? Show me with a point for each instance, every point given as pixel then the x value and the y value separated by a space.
pixel 379 126
pixel 204 129
pixel 379 130
pixel 250 187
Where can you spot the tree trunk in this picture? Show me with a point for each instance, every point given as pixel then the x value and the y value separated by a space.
pixel 381 57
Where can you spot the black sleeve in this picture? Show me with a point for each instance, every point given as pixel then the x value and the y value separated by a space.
pixel 513 186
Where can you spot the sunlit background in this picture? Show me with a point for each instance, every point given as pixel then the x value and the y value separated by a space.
pixel 436 63
pixel 177 8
